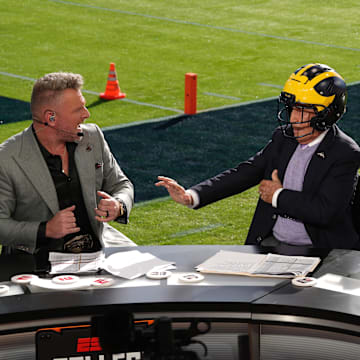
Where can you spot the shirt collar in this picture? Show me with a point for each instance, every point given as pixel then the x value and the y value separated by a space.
pixel 319 139
pixel 69 145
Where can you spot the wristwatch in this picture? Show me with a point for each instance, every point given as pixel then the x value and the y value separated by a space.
pixel 123 209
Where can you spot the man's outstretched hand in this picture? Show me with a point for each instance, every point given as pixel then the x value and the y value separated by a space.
pixel 176 191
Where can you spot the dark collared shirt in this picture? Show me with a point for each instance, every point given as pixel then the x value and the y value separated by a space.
pixel 68 189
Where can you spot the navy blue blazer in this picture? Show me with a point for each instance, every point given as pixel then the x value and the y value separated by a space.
pixel 324 204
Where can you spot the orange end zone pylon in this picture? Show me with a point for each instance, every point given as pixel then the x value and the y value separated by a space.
pixel 190 93
pixel 112 90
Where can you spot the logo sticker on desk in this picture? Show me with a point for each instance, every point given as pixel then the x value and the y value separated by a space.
pixel 102 282
pixel 158 275
pixel 65 279
pixel 304 281
pixel 191 278
pixel 23 278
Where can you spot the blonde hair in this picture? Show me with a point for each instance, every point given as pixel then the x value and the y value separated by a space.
pixel 48 88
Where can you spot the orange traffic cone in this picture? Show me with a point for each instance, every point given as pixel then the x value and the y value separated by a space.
pixel 112 90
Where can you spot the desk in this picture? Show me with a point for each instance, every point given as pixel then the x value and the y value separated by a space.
pixel 258 311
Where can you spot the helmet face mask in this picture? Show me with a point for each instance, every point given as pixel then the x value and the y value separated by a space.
pixel 312 88
pixel 285 109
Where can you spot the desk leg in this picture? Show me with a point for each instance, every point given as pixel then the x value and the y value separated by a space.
pixel 254 341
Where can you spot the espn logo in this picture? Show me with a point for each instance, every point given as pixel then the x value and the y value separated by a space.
pixel 88 344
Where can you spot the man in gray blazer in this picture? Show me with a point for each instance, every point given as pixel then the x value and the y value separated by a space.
pixel 59 182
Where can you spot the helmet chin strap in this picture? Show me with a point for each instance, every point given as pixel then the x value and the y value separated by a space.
pixel 286 133
pixel 307 134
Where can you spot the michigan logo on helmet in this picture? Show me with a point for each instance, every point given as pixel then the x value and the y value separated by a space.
pixel 317 87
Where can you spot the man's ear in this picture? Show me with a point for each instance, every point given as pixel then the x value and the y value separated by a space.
pixel 50 117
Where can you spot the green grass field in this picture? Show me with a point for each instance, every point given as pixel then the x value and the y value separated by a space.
pixel 241 51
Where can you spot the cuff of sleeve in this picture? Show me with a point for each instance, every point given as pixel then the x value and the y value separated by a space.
pixel 195 197
pixel 122 218
pixel 275 197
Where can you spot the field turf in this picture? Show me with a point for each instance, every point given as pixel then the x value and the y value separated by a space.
pixel 242 51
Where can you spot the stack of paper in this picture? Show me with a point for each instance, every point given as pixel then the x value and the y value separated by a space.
pixel 62 263
pixel 126 264
pixel 270 265
pixel 132 264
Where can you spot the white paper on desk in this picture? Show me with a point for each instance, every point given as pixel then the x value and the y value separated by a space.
pixel 339 283
pixel 231 262
pixel 273 265
pixel 133 264
pixel 74 263
pixel 287 265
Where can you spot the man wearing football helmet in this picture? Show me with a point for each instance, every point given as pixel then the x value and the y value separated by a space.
pixel 307 172
pixel 312 88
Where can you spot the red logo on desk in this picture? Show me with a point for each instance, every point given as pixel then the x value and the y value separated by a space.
pixel 101 281
pixel 24 277
pixel 88 344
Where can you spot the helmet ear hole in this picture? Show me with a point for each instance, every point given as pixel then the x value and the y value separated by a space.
pixel 319 121
pixel 320 125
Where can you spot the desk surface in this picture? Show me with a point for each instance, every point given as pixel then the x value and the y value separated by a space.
pixel 251 298
pixel 315 302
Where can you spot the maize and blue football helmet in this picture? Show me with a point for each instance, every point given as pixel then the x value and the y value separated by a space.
pixel 317 87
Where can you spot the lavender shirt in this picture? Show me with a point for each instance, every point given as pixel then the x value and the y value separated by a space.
pixel 287 230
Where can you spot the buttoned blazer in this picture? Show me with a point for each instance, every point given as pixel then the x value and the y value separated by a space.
pixel 324 204
pixel 27 192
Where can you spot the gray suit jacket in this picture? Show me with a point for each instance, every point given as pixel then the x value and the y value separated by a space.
pixel 28 195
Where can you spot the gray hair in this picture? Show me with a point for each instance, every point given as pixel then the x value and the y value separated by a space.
pixel 47 89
